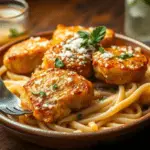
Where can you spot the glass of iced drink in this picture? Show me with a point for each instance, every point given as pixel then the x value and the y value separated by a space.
pixel 14 20
pixel 137 19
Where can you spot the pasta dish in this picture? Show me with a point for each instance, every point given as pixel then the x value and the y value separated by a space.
pixel 78 81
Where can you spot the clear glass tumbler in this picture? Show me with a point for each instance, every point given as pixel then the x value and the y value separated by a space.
pixel 14 19
pixel 137 19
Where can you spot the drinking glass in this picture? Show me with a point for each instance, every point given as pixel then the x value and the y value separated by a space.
pixel 14 19
pixel 137 19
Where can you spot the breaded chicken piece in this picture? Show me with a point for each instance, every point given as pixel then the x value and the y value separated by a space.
pixel 119 65
pixel 54 93
pixel 63 33
pixel 108 39
pixel 57 57
pixel 24 57
pixel 71 49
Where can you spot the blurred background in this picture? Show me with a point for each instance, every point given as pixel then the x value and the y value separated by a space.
pixel 20 17
pixel 76 12
pixel 43 15
pixel 46 14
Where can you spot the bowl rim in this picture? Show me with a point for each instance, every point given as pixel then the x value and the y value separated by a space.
pixel 49 133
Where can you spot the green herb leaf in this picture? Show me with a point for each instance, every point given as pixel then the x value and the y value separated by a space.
pixel 83 34
pixel 125 56
pixel 59 63
pixel 42 94
pixel 35 93
pixel 68 49
pixel 14 32
pixel 79 116
pixel 98 34
pixel 55 86
pixel 95 37
pixel 101 49
pixel 84 44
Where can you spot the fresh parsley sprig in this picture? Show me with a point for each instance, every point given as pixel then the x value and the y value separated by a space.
pixel 125 56
pixel 94 37
pixel 97 35
pixel 83 34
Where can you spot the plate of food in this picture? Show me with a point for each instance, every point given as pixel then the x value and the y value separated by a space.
pixel 82 85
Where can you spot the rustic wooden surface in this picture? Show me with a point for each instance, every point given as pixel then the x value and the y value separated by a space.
pixel 46 14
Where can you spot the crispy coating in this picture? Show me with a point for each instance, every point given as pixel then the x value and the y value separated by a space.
pixel 54 93
pixel 63 32
pixel 120 65
pixel 24 57
pixel 108 39
pixel 76 59
pixel 80 63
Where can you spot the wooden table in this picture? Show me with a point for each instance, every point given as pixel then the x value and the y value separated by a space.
pixel 46 14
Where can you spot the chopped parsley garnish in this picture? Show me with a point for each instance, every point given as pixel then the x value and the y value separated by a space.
pixel 94 38
pixel 14 32
pixel 125 56
pixel 101 49
pixel 35 93
pixel 41 93
pixel 79 116
pixel 68 49
pixel 55 86
pixel 59 63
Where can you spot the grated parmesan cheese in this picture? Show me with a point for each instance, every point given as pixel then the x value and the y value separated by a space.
pixel 137 49
pixel 107 55
pixel 43 44
pixel 74 44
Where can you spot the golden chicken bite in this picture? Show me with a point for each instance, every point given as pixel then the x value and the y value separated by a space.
pixel 76 59
pixel 63 33
pixel 54 93
pixel 119 65
pixel 24 57
pixel 108 38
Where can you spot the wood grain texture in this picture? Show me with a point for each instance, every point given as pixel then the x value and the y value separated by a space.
pixel 46 14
